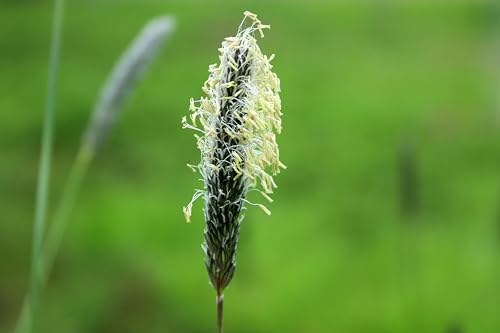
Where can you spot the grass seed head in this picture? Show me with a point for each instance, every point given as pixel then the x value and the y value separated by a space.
pixel 124 77
pixel 236 123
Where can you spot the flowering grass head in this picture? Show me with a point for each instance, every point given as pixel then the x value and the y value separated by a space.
pixel 236 123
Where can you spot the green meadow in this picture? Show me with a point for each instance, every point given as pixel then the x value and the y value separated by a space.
pixel 386 220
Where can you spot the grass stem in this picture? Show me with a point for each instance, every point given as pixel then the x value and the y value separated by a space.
pixel 220 313
pixel 42 192
pixel 56 231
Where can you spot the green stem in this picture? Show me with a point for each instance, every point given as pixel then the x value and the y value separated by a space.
pixel 63 211
pixel 220 312
pixel 42 192
pixel 56 231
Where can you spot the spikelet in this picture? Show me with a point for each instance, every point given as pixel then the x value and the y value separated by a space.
pixel 236 125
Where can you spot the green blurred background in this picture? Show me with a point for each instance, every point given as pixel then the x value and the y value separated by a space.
pixel 387 219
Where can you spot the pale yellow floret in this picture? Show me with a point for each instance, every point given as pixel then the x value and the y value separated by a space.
pixel 237 157
pixel 251 15
pixel 213 167
pixel 233 64
pixel 264 208
pixel 267 197
pixel 228 84
pixel 238 171
pixel 187 213
pixel 231 134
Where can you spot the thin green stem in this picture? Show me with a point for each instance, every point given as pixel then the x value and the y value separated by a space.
pixel 42 192
pixel 64 208
pixel 220 312
pixel 58 226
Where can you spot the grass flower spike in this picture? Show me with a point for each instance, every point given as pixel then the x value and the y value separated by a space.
pixel 236 125
pixel 124 77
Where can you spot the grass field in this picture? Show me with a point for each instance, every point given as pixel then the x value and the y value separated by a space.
pixel 367 89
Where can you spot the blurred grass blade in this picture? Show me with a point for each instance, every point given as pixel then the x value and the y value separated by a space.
pixel 115 91
pixel 42 192
pixel 124 77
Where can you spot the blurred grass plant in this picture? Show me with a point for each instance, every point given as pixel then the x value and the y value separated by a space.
pixel 238 121
pixel 107 109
